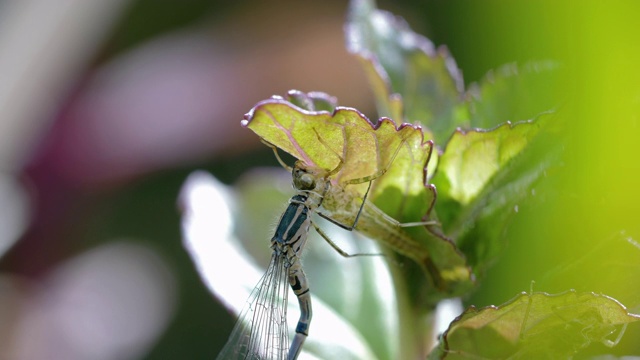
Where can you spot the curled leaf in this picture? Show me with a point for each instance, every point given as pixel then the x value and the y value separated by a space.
pixel 348 141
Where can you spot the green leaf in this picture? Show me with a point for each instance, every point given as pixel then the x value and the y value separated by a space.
pixel 472 158
pixel 535 326
pixel 411 79
pixel 348 140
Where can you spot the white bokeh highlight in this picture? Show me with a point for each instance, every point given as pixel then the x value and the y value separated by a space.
pixel 446 311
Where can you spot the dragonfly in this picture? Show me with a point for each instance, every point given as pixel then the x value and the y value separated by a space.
pixel 261 331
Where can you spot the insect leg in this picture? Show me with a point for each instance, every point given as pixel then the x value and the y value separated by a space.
pixel 369 179
pixel 355 222
pixel 336 247
pixel 275 151
pixel 523 326
pixel 409 224
pixel 612 343
pixel 380 213
pixel 298 282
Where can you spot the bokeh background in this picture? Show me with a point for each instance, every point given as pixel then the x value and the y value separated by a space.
pixel 107 106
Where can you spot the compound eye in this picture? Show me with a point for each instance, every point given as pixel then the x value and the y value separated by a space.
pixel 305 182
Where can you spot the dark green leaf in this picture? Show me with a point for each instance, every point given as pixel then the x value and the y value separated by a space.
pixel 412 80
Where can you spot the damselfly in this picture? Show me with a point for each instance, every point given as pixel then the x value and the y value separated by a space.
pixel 261 331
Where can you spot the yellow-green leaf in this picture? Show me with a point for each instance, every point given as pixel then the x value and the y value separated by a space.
pixel 473 157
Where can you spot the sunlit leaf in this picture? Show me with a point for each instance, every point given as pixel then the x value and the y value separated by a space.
pixel 535 326
pixel 412 80
pixel 473 157
pixel 484 176
pixel 321 139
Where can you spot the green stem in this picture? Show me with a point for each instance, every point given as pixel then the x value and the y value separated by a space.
pixel 415 321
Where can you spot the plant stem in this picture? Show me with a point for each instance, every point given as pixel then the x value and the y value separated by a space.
pixel 415 320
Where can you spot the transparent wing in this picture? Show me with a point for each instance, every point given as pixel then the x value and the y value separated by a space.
pixel 261 331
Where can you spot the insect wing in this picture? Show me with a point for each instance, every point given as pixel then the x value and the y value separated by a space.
pixel 261 332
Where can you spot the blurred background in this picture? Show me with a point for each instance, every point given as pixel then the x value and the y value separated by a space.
pixel 107 106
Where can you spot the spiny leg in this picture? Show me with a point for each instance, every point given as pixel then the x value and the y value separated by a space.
pixel 298 282
pixel 336 247
pixel 612 343
pixel 387 217
pixel 355 222
pixel 369 179
pixel 523 325
pixel 275 152
pixel 409 224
